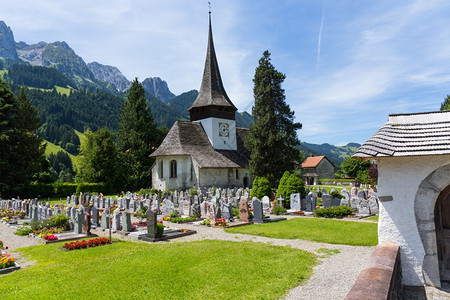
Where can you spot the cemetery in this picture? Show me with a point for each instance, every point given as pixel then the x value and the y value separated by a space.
pixel 84 222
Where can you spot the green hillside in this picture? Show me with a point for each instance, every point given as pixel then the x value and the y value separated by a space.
pixel 336 154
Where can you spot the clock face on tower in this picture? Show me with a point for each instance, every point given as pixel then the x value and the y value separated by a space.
pixel 224 129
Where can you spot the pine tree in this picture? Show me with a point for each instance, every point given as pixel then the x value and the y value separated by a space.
pixel 446 104
pixel 22 151
pixel 136 139
pixel 272 139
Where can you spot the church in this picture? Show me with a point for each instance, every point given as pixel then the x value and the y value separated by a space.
pixel 209 149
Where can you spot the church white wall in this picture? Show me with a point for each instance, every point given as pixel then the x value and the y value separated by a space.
pixel 223 177
pixel 400 178
pixel 183 178
pixel 211 127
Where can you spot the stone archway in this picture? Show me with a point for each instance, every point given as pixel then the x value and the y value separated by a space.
pixel 442 221
pixel 424 206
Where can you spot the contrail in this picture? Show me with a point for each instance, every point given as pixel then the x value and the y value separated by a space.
pixel 320 36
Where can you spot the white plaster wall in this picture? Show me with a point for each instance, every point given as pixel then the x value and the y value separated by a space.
pixel 400 178
pixel 211 127
pixel 183 178
pixel 222 177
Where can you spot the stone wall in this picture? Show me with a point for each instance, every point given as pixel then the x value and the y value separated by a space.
pixel 381 277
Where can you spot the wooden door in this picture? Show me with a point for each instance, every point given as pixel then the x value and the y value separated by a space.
pixel 442 219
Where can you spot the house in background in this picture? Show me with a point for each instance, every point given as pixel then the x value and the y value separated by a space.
pixel 413 153
pixel 209 149
pixel 315 168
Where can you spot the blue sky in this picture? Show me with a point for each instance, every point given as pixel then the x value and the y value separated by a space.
pixel 348 64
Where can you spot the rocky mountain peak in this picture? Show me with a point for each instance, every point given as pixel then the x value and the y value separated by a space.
pixel 109 74
pixel 158 87
pixel 7 44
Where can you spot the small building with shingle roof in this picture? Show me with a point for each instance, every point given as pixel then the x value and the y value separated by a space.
pixel 315 168
pixel 209 150
pixel 413 153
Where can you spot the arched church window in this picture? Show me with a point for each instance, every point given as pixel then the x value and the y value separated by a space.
pixel 173 169
pixel 161 170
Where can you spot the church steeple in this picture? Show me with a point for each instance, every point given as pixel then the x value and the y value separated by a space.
pixel 212 100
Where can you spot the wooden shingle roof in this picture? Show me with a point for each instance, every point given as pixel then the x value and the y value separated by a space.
pixel 410 135
pixel 212 92
pixel 189 138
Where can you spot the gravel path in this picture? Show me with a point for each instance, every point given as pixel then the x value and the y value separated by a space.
pixel 332 277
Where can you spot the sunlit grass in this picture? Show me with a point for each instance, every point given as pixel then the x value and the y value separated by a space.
pixel 316 230
pixel 191 270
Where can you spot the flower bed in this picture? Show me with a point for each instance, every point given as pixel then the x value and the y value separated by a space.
pixel 7 262
pixel 86 244
pixel 298 213
pixel 50 237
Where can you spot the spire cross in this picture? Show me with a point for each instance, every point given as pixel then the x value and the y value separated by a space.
pixel 209 5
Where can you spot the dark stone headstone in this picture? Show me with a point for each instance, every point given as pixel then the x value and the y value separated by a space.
pixel 257 211
pixel 151 223
pixel 126 221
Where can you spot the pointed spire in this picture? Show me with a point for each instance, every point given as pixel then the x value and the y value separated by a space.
pixel 212 100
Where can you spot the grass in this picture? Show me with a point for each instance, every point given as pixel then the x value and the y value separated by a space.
pixel 339 188
pixel 316 230
pixel 372 218
pixel 327 252
pixel 191 270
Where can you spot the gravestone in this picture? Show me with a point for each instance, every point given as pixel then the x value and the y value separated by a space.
pixel 210 211
pixel 326 200
pixel 311 201
pixel 78 220
pixel 336 202
pixel 106 219
pixel 126 221
pixel 295 202
pixel 354 201
pixel 34 213
pixel 363 208
pixel 195 210
pixel 87 223
pixel 132 205
pixel 243 209
pixel 346 199
pixel 95 216
pixel 353 191
pixel 257 211
pixel 186 208
pixel 151 223
pixel 362 194
pixel 227 212
pixel 266 203
pixel 203 210
pixel 373 205
pixel 233 201
pixel 116 219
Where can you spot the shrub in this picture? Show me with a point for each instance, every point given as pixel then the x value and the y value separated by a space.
pixel 278 210
pixel 173 214
pixel 192 191
pixel 333 212
pixel 336 195
pixel 261 187
pixel 290 184
pixel 60 221
pixel 23 231
pixel 159 229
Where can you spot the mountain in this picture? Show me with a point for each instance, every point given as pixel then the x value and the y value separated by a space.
pixel 109 74
pixel 7 44
pixel 336 154
pixel 158 88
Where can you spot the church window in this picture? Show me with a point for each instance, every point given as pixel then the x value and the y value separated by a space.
pixel 237 174
pixel 173 169
pixel 161 170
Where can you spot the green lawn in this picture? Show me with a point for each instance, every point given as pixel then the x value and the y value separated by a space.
pixel 372 218
pixel 316 230
pixel 191 270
